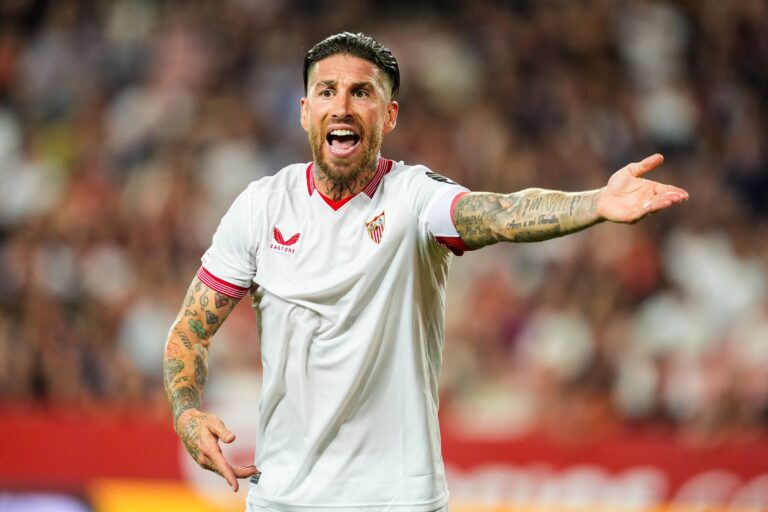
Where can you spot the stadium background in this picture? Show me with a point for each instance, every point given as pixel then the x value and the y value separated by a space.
pixel 624 366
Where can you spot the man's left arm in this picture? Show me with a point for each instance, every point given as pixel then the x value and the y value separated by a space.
pixel 532 215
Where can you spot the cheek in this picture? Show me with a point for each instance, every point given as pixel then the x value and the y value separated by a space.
pixel 314 133
pixel 375 120
pixel 311 116
pixel 312 126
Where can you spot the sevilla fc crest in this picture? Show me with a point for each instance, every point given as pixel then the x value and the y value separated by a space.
pixel 375 228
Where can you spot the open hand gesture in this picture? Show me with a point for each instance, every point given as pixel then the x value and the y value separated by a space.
pixel 628 197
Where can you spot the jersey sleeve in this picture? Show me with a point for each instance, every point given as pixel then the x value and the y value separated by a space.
pixel 229 264
pixel 436 198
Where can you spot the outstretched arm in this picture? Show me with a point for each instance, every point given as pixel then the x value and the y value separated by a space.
pixel 185 373
pixel 532 215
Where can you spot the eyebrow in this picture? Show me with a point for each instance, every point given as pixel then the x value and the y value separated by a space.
pixel 357 85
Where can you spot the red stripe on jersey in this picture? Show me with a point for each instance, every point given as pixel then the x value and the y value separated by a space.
pixel 336 204
pixel 214 283
pixel 383 168
pixel 453 243
pixel 310 180
pixel 453 205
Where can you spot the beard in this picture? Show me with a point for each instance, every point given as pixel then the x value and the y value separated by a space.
pixel 343 173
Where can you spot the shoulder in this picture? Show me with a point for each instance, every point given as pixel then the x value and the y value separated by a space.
pixel 419 186
pixel 288 179
pixel 418 174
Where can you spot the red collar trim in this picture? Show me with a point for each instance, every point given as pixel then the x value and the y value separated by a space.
pixel 310 181
pixel 384 166
pixel 336 204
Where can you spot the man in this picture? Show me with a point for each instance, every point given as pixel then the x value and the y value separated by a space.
pixel 346 259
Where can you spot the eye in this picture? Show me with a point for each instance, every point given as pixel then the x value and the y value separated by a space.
pixel 326 93
pixel 360 93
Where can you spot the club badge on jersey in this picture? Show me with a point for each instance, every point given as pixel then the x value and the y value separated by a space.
pixel 375 228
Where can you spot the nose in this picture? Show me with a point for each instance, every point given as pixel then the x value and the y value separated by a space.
pixel 340 108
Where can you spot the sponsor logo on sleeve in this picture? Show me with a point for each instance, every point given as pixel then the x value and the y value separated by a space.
pixel 440 178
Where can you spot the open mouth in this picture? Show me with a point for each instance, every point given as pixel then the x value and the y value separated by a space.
pixel 342 142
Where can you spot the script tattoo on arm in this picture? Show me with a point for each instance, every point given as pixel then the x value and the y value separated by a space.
pixel 531 215
pixel 185 362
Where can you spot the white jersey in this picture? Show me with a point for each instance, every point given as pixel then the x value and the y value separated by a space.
pixel 350 303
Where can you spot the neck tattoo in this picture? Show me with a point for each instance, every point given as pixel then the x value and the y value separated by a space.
pixel 337 187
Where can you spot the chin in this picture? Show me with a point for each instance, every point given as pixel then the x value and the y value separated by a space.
pixel 344 167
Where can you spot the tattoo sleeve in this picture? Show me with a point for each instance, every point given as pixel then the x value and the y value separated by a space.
pixel 185 362
pixel 531 215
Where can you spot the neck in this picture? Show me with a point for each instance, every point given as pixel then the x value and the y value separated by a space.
pixel 336 187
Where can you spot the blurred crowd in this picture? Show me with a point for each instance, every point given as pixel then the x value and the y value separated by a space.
pixel 127 127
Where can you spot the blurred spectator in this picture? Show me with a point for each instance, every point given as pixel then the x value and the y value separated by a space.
pixel 128 127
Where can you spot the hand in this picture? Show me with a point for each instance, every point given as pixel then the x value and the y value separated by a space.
pixel 200 433
pixel 629 198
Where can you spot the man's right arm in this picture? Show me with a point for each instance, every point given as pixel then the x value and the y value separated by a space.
pixel 532 215
pixel 185 373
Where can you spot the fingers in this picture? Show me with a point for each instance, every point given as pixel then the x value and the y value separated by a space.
pixel 661 189
pixel 661 201
pixel 245 471
pixel 648 164
pixel 231 474
pixel 220 465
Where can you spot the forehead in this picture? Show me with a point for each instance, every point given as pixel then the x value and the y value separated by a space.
pixel 346 68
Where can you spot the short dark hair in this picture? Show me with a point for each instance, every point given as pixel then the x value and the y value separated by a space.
pixel 357 45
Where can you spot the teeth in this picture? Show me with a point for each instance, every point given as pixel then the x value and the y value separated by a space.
pixel 342 132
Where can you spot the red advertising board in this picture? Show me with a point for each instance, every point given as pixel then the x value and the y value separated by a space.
pixel 44 450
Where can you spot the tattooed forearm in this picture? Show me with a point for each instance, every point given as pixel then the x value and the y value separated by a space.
pixel 183 398
pixel 185 364
pixel 171 368
pixel 197 328
pixel 201 369
pixel 530 215
pixel 184 339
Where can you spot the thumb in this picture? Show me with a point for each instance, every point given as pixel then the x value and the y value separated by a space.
pixel 222 432
pixel 648 164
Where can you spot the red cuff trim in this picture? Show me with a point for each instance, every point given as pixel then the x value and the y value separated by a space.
pixel 453 205
pixel 230 290
pixel 453 243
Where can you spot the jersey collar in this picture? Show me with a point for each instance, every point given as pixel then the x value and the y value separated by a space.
pixel 382 168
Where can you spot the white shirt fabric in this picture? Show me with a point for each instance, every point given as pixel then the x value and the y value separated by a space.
pixel 350 303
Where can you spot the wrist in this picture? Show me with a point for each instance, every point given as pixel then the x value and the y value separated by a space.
pixel 182 416
pixel 598 201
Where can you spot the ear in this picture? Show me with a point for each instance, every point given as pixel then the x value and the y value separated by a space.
pixel 391 122
pixel 304 114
